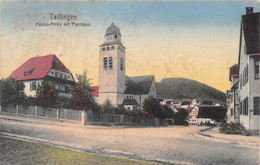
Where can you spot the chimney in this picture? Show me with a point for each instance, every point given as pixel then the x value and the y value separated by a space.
pixel 249 10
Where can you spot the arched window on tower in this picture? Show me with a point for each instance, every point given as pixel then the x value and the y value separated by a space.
pixel 105 63
pixel 110 62
pixel 121 64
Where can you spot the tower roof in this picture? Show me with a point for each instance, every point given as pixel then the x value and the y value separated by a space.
pixel 112 29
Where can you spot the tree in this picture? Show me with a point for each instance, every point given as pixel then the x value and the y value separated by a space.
pixel 46 95
pixel 12 92
pixel 82 98
pixel 108 107
pixel 153 107
pixel 168 111
pixel 179 117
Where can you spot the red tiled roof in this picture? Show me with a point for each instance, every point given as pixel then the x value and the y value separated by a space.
pixel 197 101
pixel 176 102
pixel 94 91
pixel 189 109
pixel 38 67
pixel 233 71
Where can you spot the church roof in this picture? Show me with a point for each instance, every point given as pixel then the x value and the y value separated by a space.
pixel 112 29
pixel 38 67
pixel 138 85
pixel 130 102
pixel 251 26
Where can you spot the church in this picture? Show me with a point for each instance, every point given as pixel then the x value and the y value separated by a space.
pixel 114 85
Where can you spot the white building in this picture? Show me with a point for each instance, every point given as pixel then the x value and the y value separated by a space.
pixel 113 83
pixel 44 68
pixel 249 70
pixel 232 96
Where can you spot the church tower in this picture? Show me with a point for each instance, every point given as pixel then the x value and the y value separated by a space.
pixel 112 67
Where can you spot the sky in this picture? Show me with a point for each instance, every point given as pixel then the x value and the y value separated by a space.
pixel 198 40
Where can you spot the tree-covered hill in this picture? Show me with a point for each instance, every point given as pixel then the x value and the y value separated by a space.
pixel 182 88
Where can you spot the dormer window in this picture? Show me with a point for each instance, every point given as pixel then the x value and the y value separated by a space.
pixel 108 48
pixel 112 47
pixel 115 36
pixel 103 49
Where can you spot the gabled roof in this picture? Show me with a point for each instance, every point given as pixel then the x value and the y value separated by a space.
pixel 94 91
pixel 138 85
pixel 130 102
pixel 251 29
pixel 38 67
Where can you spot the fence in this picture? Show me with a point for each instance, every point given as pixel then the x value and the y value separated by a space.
pixel 66 114
pixel 86 118
pixel 91 118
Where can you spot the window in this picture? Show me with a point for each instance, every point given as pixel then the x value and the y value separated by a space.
pixel 103 49
pixel 112 47
pixel 105 63
pixel 257 68
pixel 231 112
pixel 256 105
pixel 68 76
pixel 240 108
pixel 33 86
pixel 115 36
pixel 110 62
pixel 67 89
pixel 121 64
pixel 108 48
pixel 245 106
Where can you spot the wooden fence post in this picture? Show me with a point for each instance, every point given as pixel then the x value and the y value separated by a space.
pixel 58 113
pixel 84 117
pixel 36 110
pixel 17 109
pixel 121 118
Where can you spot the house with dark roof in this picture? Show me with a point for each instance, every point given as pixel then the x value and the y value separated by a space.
pixel 44 68
pixel 249 70
pixel 114 85
pixel 232 96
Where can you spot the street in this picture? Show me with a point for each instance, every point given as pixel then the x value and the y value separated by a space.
pixel 174 144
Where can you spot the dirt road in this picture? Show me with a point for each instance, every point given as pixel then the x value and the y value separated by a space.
pixel 175 144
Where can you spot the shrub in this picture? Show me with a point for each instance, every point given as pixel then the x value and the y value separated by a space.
pixel 233 128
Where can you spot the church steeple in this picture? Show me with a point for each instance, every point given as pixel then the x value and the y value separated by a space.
pixel 113 29
pixel 112 67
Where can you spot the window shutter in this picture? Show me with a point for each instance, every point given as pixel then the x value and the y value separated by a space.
pixel 256 105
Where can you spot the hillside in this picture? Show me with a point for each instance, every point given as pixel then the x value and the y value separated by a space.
pixel 181 88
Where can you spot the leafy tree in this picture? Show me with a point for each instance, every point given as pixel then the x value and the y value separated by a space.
pixel 168 111
pixel 80 101
pixel 179 117
pixel 108 107
pixel 153 107
pixel 12 92
pixel 46 95
pixel 62 102
pixel 82 98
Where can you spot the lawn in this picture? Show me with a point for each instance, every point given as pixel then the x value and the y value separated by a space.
pixel 20 152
